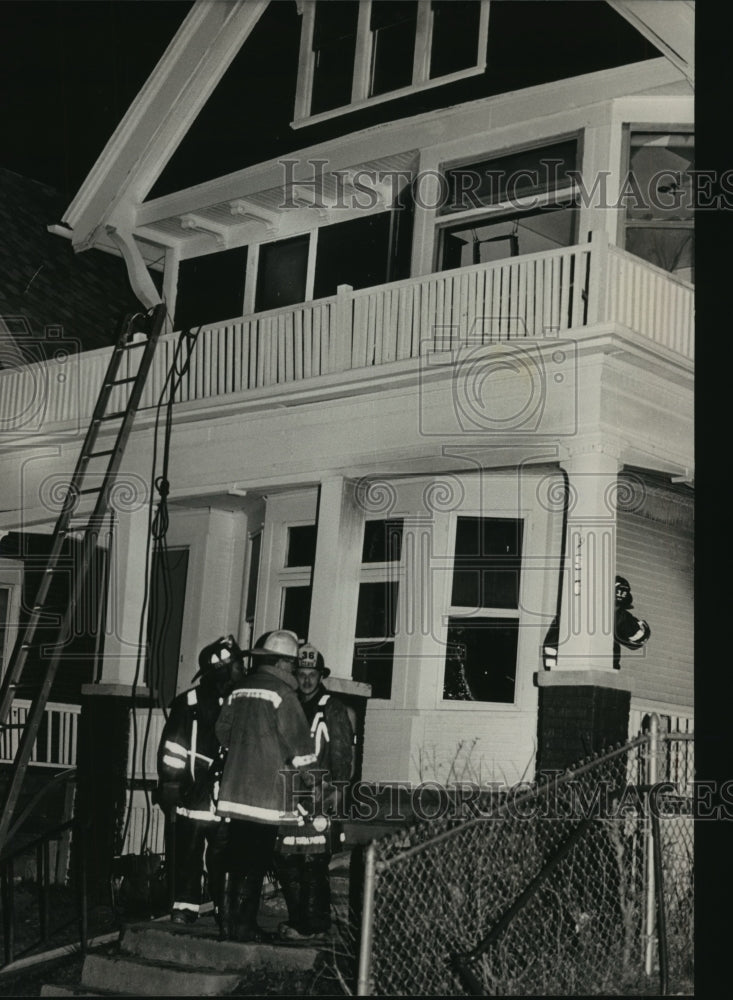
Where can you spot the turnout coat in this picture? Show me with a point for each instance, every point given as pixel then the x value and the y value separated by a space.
pixel 333 742
pixel 268 747
pixel 187 750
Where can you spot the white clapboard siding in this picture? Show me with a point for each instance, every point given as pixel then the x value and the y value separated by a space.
pixel 656 559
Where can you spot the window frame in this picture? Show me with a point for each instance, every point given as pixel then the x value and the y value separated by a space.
pixel 361 78
pixel 565 195
pixel 624 223
pixel 382 572
pixel 452 611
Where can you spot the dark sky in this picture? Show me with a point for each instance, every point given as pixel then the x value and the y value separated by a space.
pixel 68 72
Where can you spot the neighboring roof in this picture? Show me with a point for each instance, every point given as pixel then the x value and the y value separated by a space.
pixel 45 284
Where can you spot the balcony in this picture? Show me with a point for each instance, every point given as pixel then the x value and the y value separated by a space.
pixel 575 288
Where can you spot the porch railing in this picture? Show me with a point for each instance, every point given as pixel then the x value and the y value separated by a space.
pixel 523 297
pixel 57 737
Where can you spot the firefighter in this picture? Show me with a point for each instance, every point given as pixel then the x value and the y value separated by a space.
pixel 187 754
pixel 302 855
pixel 629 630
pixel 268 749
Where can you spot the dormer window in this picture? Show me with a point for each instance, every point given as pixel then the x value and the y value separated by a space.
pixel 357 53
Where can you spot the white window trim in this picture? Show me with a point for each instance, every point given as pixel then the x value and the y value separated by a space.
pixel 362 61
pixel 383 572
pixel 458 611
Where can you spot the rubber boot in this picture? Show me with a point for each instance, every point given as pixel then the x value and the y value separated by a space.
pixel 225 910
pixel 315 895
pixel 247 907
pixel 288 868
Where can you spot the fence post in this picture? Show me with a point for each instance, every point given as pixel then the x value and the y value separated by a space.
pixel 651 900
pixel 364 985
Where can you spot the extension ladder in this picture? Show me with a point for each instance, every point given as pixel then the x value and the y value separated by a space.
pixel 133 349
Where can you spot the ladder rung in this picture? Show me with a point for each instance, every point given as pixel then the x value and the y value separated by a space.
pixel 113 416
pixel 98 454
pixel 134 343
pixel 121 381
pixel 92 489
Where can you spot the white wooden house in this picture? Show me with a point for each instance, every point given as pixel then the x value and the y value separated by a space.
pixel 440 261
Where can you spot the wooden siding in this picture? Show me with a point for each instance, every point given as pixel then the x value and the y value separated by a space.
pixel 656 559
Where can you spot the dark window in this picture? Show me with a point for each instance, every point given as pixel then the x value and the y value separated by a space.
pixel 481 659
pixel 334 45
pixel 393 28
pixel 211 288
pixel 487 562
pixel 301 545
pixel 382 541
pixel 505 178
pixel 376 613
pixel 353 253
pixel 296 610
pixel 281 273
pixel 455 33
pixel 372 664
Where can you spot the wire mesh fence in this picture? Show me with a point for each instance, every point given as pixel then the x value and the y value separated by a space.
pixel 548 889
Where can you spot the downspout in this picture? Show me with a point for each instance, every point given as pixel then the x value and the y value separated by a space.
pixel 552 639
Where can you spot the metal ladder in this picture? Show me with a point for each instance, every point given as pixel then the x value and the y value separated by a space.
pixel 127 347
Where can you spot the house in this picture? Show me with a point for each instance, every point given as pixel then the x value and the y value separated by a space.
pixel 435 264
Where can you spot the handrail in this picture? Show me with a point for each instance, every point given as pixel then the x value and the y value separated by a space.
pixel 7 880
pixel 38 797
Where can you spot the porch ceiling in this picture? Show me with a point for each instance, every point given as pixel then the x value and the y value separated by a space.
pixel 254 214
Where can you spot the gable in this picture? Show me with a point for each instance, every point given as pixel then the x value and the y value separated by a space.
pixel 248 117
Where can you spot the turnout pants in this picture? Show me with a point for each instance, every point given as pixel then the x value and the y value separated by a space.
pixel 197 842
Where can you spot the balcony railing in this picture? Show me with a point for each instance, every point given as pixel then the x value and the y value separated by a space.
pixel 526 297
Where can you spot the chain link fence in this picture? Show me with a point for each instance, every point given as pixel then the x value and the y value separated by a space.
pixel 580 884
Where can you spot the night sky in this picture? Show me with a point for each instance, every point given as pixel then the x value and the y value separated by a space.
pixel 68 72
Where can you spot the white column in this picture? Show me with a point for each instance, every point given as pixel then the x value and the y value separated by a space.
pixel 336 574
pixel 126 610
pixel 586 626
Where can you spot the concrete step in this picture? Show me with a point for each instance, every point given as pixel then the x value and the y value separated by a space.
pixel 130 976
pixel 49 990
pixel 196 947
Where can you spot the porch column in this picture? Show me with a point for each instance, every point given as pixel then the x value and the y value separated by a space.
pixel 126 612
pixel 583 702
pixel 336 574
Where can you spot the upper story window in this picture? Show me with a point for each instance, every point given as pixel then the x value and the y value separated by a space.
pixel 519 203
pixel 658 199
pixel 357 53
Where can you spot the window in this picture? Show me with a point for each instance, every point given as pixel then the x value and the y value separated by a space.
pixel 281 273
pixel 297 590
pixel 658 200
pixel 483 619
pixel 210 288
pixel 510 205
pixel 353 253
pixel 353 54
pixel 376 615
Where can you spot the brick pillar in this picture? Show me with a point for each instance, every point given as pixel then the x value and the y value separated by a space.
pixel 579 719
